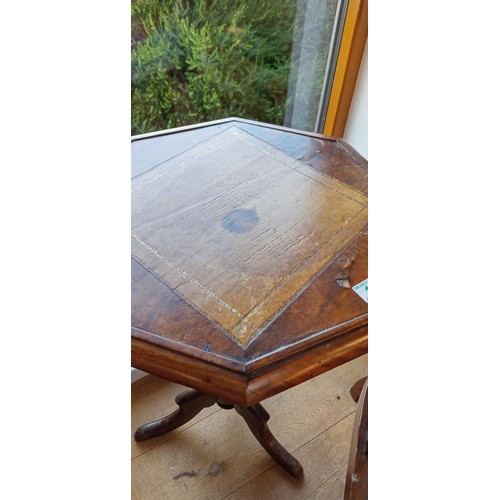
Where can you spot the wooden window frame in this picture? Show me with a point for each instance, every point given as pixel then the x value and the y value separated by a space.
pixel 352 46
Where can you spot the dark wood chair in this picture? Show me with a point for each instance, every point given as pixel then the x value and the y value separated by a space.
pixel 356 486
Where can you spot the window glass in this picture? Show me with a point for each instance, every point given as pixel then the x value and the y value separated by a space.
pixel 200 60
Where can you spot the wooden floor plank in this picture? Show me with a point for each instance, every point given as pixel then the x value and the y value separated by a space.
pixel 311 420
pixel 325 459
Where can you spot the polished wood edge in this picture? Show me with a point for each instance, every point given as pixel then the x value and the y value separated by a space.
pixel 209 357
pixel 363 162
pixel 197 374
pixel 251 365
pixel 303 366
pixel 243 388
pixel 360 160
pixel 237 120
pixel 176 130
pixel 304 344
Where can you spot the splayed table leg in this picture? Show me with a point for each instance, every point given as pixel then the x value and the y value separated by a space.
pixel 256 418
pixel 190 402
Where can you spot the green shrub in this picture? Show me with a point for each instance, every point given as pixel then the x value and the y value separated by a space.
pixel 200 60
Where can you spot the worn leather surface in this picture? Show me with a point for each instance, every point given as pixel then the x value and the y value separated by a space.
pixel 238 228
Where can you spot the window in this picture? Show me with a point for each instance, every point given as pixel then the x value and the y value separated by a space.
pixel 271 61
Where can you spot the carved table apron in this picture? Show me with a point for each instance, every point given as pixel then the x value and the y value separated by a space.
pixel 247 239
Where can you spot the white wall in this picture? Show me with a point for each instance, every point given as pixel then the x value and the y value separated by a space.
pixel 356 131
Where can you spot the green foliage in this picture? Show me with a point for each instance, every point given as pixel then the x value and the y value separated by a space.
pixel 200 60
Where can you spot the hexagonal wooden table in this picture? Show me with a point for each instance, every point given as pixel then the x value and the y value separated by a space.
pixel 247 240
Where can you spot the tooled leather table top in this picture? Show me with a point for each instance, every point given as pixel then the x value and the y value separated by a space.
pixel 244 236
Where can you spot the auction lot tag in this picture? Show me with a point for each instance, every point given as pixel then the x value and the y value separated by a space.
pixel 362 289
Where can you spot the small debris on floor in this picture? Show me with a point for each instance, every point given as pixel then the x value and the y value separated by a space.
pixel 215 468
pixel 189 473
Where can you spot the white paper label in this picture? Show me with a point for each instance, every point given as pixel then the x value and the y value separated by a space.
pixel 362 289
